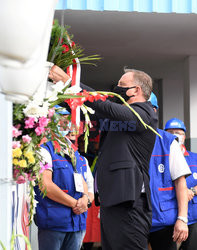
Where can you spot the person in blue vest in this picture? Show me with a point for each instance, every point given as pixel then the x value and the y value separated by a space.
pixel 177 127
pixel 167 170
pixel 61 214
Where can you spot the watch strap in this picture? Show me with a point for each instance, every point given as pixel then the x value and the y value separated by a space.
pixel 182 218
pixel 89 202
pixel 193 190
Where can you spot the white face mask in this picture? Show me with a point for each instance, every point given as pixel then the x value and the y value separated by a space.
pixel 180 139
pixel 62 132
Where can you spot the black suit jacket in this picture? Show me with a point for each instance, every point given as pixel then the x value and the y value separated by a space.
pixel 126 148
pixel 125 151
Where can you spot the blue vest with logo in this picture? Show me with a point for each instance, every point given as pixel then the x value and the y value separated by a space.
pixel 55 216
pixel 191 159
pixel 163 195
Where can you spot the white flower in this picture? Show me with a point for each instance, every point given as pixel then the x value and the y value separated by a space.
pixel 35 110
pixel 53 89
pixel 73 90
pixel 43 111
pixel 87 121
pixel 58 86
pixel 86 109
pixel 53 97
pixel 90 110
pixel 83 109
pixel 32 110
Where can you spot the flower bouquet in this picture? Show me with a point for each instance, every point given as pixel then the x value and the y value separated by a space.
pixel 36 122
pixel 63 51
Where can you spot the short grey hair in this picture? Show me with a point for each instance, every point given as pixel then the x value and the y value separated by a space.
pixel 143 80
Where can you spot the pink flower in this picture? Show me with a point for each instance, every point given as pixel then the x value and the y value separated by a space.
pixel 31 178
pixel 43 121
pixel 44 167
pixel 21 179
pixel 51 112
pixel 26 138
pixel 18 126
pixel 16 144
pixel 29 123
pixel 39 130
pixel 16 172
pixel 16 132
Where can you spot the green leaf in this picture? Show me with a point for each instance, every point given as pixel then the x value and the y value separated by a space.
pixel 22 236
pixel 3 247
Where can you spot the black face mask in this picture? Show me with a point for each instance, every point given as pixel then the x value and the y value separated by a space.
pixel 122 92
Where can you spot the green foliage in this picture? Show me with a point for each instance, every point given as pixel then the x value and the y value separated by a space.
pixel 2 246
pixel 14 236
pixel 18 114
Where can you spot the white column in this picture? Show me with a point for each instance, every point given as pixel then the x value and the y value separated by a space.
pixel 190 101
pixel 5 170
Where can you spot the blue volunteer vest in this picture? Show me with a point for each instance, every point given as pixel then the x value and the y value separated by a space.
pixel 191 180
pixel 55 216
pixel 163 195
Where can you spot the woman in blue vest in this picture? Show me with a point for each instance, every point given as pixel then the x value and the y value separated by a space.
pixel 61 214
pixel 167 183
pixel 177 127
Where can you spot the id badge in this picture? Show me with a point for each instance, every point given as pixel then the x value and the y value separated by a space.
pixel 78 182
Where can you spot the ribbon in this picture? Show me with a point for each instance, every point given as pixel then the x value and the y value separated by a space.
pixel 74 71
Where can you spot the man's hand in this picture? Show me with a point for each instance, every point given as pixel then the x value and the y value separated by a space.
pixel 57 74
pixel 81 205
pixel 180 228
pixel 180 231
pixel 190 194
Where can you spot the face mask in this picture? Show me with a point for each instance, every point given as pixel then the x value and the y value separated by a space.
pixel 122 92
pixel 62 132
pixel 180 139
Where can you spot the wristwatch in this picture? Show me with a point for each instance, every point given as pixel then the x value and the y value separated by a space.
pixel 193 190
pixel 89 202
pixel 184 219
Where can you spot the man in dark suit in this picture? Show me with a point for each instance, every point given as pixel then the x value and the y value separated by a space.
pixel 123 164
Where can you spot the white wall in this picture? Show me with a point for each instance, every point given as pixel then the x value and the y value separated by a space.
pixel 191 100
pixel 5 171
pixel 173 101
pixel 180 94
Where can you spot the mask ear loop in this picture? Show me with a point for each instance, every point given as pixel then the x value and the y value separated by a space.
pixel 131 88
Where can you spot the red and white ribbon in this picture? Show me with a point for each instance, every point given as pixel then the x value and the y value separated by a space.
pixel 74 71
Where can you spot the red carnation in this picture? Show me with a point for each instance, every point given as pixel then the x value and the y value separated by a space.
pixel 66 48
